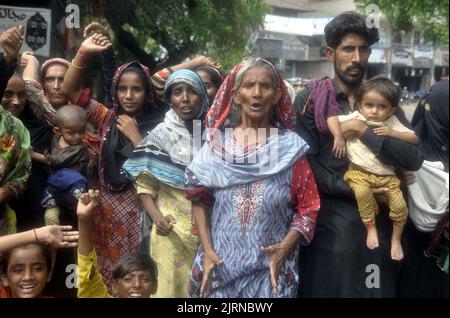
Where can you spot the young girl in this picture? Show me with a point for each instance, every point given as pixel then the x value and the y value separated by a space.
pixel 134 114
pixel 157 167
pixel 135 275
pixel 26 262
pixel 121 128
pixel 377 100
pixel 27 270
pixel 212 78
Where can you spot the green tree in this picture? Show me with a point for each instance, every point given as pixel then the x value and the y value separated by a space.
pixel 431 16
pixel 164 32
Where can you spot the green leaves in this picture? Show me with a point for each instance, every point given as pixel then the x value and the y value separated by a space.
pixel 173 30
pixel 431 16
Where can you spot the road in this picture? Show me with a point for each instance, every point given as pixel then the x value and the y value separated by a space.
pixel 409 109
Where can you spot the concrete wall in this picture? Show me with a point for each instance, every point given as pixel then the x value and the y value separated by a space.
pixel 314 69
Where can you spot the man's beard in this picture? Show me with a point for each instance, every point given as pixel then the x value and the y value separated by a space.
pixel 348 79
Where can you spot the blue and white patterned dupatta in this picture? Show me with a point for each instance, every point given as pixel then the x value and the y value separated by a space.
pixel 166 151
pixel 222 162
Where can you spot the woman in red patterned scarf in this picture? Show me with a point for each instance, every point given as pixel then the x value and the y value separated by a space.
pixel 134 113
pixel 254 195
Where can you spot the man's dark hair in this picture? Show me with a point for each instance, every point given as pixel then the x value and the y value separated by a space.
pixel 383 86
pixel 346 23
pixel 136 262
pixel 45 250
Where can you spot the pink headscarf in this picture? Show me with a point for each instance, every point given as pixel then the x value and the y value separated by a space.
pixel 52 61
pixel 222 104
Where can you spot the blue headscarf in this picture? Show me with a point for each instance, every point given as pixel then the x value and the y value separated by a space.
pixel 190 78
pixel 166 151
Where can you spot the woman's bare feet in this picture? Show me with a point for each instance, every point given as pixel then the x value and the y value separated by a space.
pixel 372 237
pixel 396 250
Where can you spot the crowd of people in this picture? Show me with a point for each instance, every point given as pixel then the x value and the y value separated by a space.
pixel 190 182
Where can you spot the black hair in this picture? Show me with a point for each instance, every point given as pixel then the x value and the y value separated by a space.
pixel 346 23
pixel 383 86
pixel 214 74
pixel 45 250
pixel 149 92
pixel 136 262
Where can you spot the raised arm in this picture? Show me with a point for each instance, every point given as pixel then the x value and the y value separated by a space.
pixel 108 61
pixel 87 204
pixel 160 77
pixel 11 41
pixel 196 62
pixel 57 236
pixel 90 280
pixel 94 44
pixel 38 103
pixel 30 66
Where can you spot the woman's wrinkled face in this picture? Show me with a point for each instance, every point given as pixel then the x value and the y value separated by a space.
pixel 14 97
pixel 185 101
pixel 256 95
pixel 27 272
pixel 53 82
pixel 209 84
pixel 130 93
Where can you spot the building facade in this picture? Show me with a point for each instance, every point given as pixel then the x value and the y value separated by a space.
pixel 293 39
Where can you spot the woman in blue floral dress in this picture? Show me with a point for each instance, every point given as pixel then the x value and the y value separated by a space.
pixel 254 194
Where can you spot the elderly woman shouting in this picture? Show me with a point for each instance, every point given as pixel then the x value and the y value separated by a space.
pixel 254 195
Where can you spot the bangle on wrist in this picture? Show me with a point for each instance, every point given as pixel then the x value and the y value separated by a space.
pixel 77 66
pixel 35 235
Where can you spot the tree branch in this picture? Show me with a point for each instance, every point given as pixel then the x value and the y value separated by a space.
pixel 127 40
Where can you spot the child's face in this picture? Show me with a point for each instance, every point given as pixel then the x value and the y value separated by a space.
pixel 27 272
pixel 73 132
pixel 131 93
pixel 375 107
pixel 137 284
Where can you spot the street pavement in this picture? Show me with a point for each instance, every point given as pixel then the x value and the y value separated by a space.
pixel 409 109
